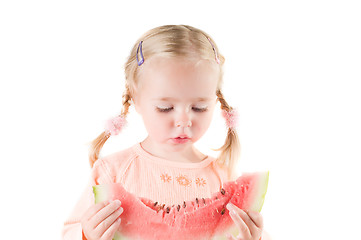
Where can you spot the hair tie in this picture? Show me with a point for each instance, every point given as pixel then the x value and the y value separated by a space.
pixel 114 125
pixel 231 118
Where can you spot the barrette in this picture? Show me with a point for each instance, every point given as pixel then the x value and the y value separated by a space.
pixel 141 61
pixel 214 50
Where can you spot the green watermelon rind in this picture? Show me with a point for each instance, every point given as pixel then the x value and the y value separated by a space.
pixel 261 193
pixel 101 193
pixel 118 236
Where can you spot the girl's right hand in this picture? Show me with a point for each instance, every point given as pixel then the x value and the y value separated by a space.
pixel 101 221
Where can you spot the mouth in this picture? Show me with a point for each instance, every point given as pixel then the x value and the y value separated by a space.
pixel 181 139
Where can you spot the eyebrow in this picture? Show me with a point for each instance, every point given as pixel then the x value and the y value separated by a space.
pixel 176 100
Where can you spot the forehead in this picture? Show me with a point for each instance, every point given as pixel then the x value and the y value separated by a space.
pixel 178 79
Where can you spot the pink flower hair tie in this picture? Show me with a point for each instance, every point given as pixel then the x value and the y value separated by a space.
pixel 115 125
pixel 231 118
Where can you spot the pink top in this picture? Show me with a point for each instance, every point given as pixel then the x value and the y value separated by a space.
pixel 150 177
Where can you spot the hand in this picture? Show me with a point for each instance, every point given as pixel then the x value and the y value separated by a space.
pixel 101 221
pixel 249 223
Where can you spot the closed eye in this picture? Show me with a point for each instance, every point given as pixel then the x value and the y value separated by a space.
pixel 196 109
pixel 199 109
pixel 164 109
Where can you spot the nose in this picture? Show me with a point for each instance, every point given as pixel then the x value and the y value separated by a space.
pixel 183 120
pixel 183 124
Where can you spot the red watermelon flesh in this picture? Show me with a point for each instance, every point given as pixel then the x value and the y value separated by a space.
pixel 201 218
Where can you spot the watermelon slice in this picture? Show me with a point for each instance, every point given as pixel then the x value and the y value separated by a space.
pixel 198 219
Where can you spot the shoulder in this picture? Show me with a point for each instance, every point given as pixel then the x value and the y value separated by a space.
pixel 114 165
pixel 119 156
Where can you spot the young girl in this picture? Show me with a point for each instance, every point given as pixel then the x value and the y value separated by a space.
pixel 173 79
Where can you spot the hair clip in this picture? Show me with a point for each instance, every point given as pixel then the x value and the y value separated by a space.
pixel 141 54
pixel 214 50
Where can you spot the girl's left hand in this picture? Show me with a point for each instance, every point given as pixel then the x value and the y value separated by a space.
pixel 249 223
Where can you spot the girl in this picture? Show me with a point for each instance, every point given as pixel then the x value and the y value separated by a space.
pixel 173 79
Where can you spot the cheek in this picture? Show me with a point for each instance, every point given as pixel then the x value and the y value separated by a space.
pixel 156 124
pixel 202 123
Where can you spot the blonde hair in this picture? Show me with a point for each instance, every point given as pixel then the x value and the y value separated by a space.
pixel 174 41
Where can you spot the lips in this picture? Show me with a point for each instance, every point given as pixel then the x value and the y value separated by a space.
pixel 181 139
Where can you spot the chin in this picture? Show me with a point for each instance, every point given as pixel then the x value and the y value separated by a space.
pixel 180 146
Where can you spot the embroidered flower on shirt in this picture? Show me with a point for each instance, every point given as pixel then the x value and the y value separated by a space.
pixel 200 182
pixel 184 181
pixel 165 177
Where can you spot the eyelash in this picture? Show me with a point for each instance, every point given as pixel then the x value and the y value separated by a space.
pixel 164 110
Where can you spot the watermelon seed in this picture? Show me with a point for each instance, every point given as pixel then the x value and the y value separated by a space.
pixel 223 211
pixel 168 209
pixel 197 200
pixel 178 207
pixel 155 204
pixel 184 204
pixel 223 192
pixel 162 207
pixel 204 201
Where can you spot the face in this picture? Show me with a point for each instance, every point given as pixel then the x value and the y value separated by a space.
pixel 176 99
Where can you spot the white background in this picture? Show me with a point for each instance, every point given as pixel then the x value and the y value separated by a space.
pixel 292 70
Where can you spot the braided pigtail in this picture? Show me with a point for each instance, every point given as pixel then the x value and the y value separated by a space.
pixel 230 150
pixel 98 143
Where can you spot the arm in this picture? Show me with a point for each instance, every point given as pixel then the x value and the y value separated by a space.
pixel 72 227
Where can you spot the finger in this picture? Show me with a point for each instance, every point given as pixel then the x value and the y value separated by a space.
pixel 106 223
pixel 256 217
pixel 103 213
pixel 109 233
pixel 237 217
pixel 251 226
pixel 94 209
